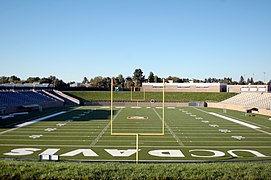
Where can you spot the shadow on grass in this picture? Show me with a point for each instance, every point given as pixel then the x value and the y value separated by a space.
pixel 75 115
pixel 84 115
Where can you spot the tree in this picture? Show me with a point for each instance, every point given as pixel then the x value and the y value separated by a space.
pixel 157 79
pixel 85 81
pixel 4 79
pixel 98 81
pixel 53 80
pixel 33 79
pixel 14 79
pixel 60 84
pixel 46 80
pixel 174 79
pixel 259 83
pixel 120 81
pixel 251 80
pixel 248 80
pixel 107 82
pixel 151 77
pixel 129 82
pixel 242 81
pixel 138 77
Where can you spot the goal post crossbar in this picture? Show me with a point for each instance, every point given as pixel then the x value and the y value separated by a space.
pixel 137 134
pixel 144 95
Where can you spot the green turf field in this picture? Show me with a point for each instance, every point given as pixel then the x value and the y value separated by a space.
pixel 191 134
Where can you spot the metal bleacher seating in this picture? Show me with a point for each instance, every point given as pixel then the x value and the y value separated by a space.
pixel 259 100
pixel 14 99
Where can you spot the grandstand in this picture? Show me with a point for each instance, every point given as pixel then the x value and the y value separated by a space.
pixel 245 101
pixel 13 101
pixel 258 100
pixel 28 99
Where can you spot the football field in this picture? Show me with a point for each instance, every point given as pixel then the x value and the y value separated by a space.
pixel 185 134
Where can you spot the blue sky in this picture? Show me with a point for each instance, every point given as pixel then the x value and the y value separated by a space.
pixel 72 39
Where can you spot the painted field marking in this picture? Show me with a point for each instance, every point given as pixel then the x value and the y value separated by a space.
pixel 234 120
pixel 238 137
pixel 94 142
pixel 120 107
pixel 104 107
pixel 205 121
pixel 257 129
pixel 61 124
pixel 170 130
pixel 131 146
pixel 213 125
pixel 35 136
pixel 224 130
pixel 50 129
pixel 40 119
pixel 159 107
pixel 32 122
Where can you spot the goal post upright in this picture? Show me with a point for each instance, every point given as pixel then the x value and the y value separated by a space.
pixel 111 105
pixel 163 111
pixel 136 134
pixel 137 149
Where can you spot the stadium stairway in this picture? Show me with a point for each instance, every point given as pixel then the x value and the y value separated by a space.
pixel 68 100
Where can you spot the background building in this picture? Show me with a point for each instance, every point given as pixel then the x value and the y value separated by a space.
pixel 185 87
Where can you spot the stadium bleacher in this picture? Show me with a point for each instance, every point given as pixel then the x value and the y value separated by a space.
pixel 259 100
pixel 11 100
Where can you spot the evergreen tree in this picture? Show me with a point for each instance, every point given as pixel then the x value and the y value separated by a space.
pixel 138 77
pixel 151 77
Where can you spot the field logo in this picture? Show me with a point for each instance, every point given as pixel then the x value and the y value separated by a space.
pixel 137 117
pixel 168 153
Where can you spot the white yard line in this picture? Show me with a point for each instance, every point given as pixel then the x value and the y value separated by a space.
pixel 131 146
pixel 236 118
pixel 257 128
pixel 34 121
pixel 170 130
pixel 235 121
pixel 94 142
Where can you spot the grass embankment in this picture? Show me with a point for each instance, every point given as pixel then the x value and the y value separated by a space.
pixel 169 96
pixel 62 170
